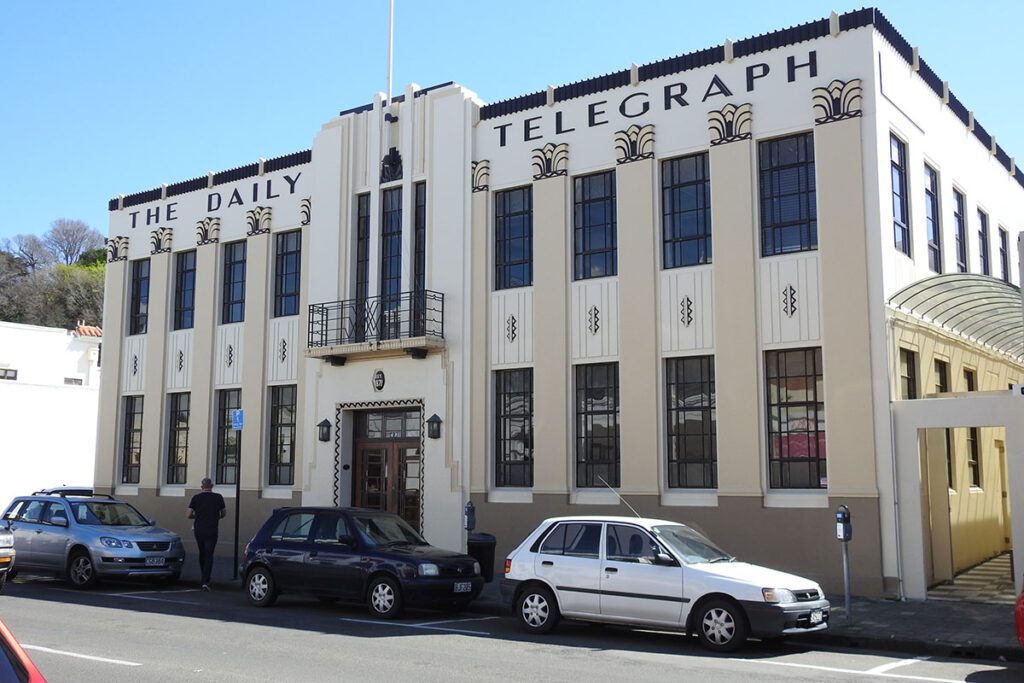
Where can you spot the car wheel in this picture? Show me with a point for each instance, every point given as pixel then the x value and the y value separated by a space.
pixel 260 587
pixel 721 626
pixel 537 610
pixel 81 572
pixel 384 598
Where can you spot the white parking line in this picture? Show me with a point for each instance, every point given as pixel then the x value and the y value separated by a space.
pixel 895 665
pixel 454 621
pixel 422 626
pixel 838 670
pixel 134 596
pixel 93 658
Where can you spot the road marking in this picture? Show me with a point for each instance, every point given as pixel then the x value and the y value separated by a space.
pixel 895 665
pixel 93 658
pixel 456 621
pixel 422 626
pixel 837 670
pixel 133 596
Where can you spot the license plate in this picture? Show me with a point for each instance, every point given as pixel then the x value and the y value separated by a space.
pixel 816 616
pixel 463 586
pixel 154 561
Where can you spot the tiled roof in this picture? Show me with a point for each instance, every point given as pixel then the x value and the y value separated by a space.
pixel 83 330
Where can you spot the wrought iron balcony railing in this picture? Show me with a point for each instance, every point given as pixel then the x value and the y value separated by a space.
pixel 407 315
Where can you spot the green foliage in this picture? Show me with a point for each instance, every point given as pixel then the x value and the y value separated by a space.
pixel 92 257
pixel 54 295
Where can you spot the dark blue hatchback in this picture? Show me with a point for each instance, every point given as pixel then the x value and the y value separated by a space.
pixel 355 555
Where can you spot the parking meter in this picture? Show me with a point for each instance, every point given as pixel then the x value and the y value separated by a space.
pixel 844 529
pixel 469 516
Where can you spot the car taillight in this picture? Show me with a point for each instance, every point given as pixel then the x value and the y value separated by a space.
pixel 508 565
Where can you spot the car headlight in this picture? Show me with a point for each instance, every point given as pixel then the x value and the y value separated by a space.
pixel 778 595
pixel 476 569
pixel 6 539
pixel 428 569
pixel 110 542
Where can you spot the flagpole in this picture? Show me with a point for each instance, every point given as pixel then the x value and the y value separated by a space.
pixel 391 38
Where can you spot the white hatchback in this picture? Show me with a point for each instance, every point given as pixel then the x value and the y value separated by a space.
pixel 652 572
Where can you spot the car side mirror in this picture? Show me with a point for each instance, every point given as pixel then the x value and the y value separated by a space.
pixel 665 560
pixel 59 521
pixel 347 540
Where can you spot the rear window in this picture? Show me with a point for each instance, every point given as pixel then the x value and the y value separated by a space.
pixel 574 540
pixel 294 527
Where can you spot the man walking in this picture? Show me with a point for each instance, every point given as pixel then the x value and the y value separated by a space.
pixel 206 509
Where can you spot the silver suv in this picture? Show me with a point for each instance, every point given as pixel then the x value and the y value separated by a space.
pixel 89 538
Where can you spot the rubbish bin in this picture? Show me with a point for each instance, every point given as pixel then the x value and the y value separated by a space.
pixel 481 547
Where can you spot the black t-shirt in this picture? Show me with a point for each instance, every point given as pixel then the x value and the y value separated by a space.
pixel 207 506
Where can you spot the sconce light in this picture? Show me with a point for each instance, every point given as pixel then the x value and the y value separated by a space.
pixel 324 430
pixel 434 426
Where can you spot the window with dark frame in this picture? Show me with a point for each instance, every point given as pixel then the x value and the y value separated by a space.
pixel 362 264
pixel 1004 254
pixel 287 270
pixel 138 313
pixel 942 387
pixel 177 437
pixel 8 373
pixel 513 428
pixel 229 441
pixel 983 245
pixel 233 305
pixel 932 218
pixel 513 238
pixel 419 261
pixel 973 433
pixel 131 442
pixel 685 211
pixel 282 435
pixel 900 207
pixel 789 212
pixel 691 422
pixel 960 226
pixel 391 263
pixel 595 241
pixel 796 419
pixel 908 374
pixel 184 290
pixel 597 425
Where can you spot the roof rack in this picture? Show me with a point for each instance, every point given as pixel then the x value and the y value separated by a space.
pixel 73 493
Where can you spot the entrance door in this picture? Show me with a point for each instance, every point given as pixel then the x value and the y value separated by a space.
pixel 388 463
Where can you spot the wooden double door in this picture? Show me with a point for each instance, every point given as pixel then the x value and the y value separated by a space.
pixel 389 463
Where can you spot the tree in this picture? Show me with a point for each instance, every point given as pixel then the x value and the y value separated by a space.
pixel 68 239
pixel 91 257
pixel 31 250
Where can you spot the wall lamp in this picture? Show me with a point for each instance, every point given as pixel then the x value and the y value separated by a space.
pixel 324 430
pixel 434 426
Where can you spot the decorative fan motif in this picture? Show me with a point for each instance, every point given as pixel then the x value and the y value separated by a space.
pixel 160 241
pixel 305 210
pixel 686 311
pixel 789 301
pixel 837 101
pixel 593 319
pixel 481 171
pixel 550 160
pixel 117 248
pixel 730 123
pixel 258 221
pixel 634 143
pixel 391 166
pixel 207 231
pixel 511 328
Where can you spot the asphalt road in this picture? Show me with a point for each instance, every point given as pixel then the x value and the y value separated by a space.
pixel 131 632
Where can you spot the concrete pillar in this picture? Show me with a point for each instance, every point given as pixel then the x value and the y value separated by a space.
pixel 110 404
pixel 153 441
pixel 201 434
pixel 258 286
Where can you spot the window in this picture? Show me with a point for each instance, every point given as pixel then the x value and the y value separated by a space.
pixel 960 224
pixel 282 435
pixel 184 290
pixel 974 457
pixel 629 544
pixel 942 387
pixel 595 243
pixel 900 209
pixel 138 315
pixel 573 540
pixel 597 425
pixel 419 262
pixel 983 253
pixel 933 223
pixel 789 213
pixel 513 429
pixel 131 445
pixel 229 441
pixel 513 238
pixel 287 267
pixel 686 211
pixel 796 419
pixel 908 374
pixel 8 373
pixel 177 437
pixel 73 381
pixel 330 529
pixel 1004 254
pixel 233 310
pixel 391 263
pixel 690 406
pixel 294 527
pixel 362 268
pixel 969 380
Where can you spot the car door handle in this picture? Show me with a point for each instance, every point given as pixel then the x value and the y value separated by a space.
pixel 39 531
pixel 547 563
pixel 313 553
pixel 611 570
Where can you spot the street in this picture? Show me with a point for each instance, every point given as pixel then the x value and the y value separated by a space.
pixel 132 632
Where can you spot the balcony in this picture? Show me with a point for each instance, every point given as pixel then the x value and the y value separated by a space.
pixel 412 322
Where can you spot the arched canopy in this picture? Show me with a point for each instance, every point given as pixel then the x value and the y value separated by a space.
pixel 981 308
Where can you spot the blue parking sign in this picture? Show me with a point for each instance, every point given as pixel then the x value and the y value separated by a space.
pixel 236 419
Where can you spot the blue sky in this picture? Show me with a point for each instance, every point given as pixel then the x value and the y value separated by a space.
pixel 106 98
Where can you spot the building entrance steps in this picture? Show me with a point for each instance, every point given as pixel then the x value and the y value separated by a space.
pixel 989 582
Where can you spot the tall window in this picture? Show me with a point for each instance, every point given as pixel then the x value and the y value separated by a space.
pixel 138 316
pixel 942 387
pixel 177 437
pixel 973 438
pixel 184 290
pixel 513 238
pixel 419 261
pixel 233 309
pixel 362 264
pixel 595 243
pixel 597 425
pixel 932 219
pixel 796 419
pixel 685 211
pixel 691 422
pixel 900 209
pixel 983 250
pixel 282 435
pixel 131 445
pixel 960 225
pixel 1004 254
pixel 789 212
pixel 513 429
pixel 908 374
pixel 391 263
pixel 287 266
pixel 229 441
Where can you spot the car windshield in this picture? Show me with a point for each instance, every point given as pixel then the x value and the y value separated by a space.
pixel 107 514
pixel 387 530
pixel 693 547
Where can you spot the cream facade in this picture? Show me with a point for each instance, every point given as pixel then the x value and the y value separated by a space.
pixel 674 281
